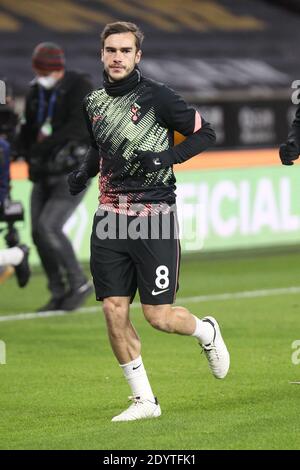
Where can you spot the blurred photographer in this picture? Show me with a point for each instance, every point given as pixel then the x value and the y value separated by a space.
pixel 53 140
pixel 16 255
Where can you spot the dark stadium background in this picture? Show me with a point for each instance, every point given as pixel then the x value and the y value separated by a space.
pixel 236 61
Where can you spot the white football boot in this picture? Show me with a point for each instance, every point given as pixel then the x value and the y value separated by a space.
pixel 216 352
pixel 141 408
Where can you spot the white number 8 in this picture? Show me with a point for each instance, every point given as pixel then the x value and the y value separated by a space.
pixel 162 273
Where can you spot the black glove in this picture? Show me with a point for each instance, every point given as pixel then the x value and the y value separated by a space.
pixel 288 152
pixel 152 161
pixel 77 181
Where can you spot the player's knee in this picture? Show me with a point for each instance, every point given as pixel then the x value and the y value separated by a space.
pixel 112 306
pixel 158 317
pixel 115 314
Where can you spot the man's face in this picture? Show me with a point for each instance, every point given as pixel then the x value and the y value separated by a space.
pixel 119 55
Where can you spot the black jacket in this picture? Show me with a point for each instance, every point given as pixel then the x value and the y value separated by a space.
pixel 68 123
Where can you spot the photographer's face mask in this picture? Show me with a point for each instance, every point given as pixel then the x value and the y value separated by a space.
pixel 47 82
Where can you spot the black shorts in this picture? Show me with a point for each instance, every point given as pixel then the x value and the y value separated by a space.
pixel 127 259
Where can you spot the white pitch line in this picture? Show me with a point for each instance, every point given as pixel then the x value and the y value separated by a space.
pixel 251 294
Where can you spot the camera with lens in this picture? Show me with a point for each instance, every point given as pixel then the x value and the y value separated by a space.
pixel 10 211
pixel 67 158
pixel 8 123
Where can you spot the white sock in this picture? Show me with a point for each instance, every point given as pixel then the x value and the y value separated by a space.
pixel 11 256
pixel 137 379
pixel 204 331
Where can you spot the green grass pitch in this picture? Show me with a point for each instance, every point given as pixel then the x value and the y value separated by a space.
pixel 61 384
